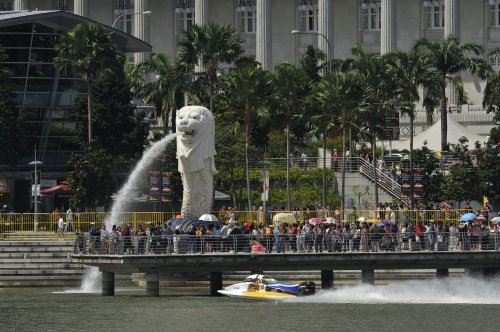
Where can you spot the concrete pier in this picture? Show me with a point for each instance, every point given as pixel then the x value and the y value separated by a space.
pixel 479 264
pixel 326 279
pixel 108 283
pixel 215 282
pixel 153 284
pixel 368 277
pixel 442 273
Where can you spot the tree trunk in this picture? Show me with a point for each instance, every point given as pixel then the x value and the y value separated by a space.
pixel 247 137
pixel 412 202
pixel 324 170
pixel 344 134
pixel 89 109
pixel 287 166
pixel 375 173
pixel 444 124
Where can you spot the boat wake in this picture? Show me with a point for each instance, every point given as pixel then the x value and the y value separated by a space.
pixel 463 290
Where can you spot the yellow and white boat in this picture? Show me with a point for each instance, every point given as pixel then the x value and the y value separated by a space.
pixel 260 287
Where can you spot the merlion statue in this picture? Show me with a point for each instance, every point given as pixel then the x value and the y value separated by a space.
pixel 195 153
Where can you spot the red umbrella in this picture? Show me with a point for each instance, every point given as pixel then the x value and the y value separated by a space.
pixel 481 219
pixel 316 221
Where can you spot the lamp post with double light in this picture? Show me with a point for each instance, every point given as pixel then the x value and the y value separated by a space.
pixel 145 13
pixel 35 191
pixel 329 66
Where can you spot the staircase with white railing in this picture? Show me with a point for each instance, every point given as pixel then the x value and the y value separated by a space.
pixel 383 180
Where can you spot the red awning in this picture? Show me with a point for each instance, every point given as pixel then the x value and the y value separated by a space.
pixel 56 190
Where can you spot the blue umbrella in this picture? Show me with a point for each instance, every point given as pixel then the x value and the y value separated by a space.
pixel 177 221
pixel 468 217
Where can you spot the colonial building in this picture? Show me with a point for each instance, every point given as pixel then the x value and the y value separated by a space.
pixel 334 26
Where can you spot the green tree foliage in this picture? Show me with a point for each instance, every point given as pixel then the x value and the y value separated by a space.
pixel 245 91
pixel 91 177
pixel 449 58
pixel 165 91
pixel 119 141
pixel 209 46
pixel 88 50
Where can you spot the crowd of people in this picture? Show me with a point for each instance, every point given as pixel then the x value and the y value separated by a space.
pixel 303 237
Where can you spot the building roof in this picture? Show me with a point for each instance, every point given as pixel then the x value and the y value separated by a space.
pixel 66 21
pixel 432 136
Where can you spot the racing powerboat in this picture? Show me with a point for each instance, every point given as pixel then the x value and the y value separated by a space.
pixel 261 287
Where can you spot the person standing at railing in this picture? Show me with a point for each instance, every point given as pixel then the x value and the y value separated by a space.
pixel 335 159
pixel 60 228
pixel 69 220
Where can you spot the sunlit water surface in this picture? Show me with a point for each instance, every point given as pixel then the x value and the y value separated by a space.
pixel 462 304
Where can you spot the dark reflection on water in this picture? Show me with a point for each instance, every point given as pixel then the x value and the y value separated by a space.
pixel 43 310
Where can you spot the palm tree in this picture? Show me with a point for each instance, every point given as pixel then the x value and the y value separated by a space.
pixel 410 70
pixel 88 50
pixel 291 86
pixel 491 99
pixel 209 46
pixel 340 93
pixel 378 99
pixel 245 90
pixel 450 58
pixel 165 90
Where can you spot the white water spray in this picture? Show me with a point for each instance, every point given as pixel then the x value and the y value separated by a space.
pixel 91 282
pixel 150 156
pixel 464 290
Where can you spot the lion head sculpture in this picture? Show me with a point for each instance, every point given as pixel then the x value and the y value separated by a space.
pixel 196 139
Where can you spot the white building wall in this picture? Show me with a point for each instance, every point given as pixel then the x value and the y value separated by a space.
pixel 474 25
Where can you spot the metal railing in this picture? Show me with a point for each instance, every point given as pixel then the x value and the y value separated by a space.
pixel 383 179
pixel 299 243
pixel 45 226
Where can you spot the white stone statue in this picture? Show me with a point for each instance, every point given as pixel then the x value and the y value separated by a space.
pixel 195 154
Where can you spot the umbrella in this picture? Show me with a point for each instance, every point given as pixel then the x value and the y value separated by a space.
pixel 284 217
pixel 468 217
pixel 177 221
pixel 330 220
pixel 373 220
pixel 208 217
pixel 361 219
pixel 316 221
pixel 481 219
pixel 496 219
pixel 388 222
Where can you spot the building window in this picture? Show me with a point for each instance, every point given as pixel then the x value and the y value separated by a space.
pixel 371 12
pixel 124 12
pixel 309 19
pixel 184 15
pixel 247 20
pixel 495 15
pixel 66 5
pixel 308 15
pixel 494 60
pixel 6 5
pixel 435 14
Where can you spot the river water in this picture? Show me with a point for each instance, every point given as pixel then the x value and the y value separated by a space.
pixel 456 304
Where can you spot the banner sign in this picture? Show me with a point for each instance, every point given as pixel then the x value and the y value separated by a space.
pixel 418 179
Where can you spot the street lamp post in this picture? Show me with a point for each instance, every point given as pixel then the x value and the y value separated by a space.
pixel 35 191
pixel 146 13
pixel 329 63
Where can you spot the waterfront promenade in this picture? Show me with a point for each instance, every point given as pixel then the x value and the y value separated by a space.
pixel 481 263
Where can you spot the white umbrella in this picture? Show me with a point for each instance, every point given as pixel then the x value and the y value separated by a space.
pixel 330 220
pixel 361 219
pixel 208 217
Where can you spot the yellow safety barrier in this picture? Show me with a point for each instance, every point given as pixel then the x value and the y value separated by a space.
pixel 23 226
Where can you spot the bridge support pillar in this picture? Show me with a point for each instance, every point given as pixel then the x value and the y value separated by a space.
pixel 215 283
pixel 368 277
pixel 474 273
pixel 153 284
pixel 492 272
pixel 326 279
pixel 442 273
pixel 108 283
